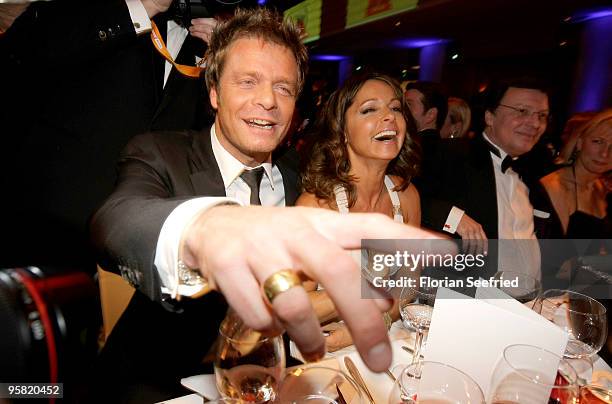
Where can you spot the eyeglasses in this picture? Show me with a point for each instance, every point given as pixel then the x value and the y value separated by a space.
pixel 525 113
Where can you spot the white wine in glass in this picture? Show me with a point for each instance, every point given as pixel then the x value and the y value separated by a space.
pixel 248 366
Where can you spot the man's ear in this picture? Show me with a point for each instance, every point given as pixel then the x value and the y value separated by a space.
pixel 431 116
pixel 489 118
pixel 213 96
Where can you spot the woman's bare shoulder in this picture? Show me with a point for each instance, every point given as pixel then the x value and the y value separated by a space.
pixel 410 192
pixel 555 182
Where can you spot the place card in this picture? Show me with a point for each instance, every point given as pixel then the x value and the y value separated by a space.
pixel 471 334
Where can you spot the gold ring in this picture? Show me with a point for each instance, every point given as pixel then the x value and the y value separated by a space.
pixel 280 282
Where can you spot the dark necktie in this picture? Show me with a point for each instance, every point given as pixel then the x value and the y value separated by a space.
pixel 252 179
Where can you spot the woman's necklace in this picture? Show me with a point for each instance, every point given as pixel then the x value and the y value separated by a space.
pixel 379 198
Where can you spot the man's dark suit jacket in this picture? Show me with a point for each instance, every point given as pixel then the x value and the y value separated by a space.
pixel 77 83
pixel 156 342
pixel 459 172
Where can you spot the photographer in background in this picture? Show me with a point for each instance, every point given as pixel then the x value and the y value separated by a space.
pixel 77 83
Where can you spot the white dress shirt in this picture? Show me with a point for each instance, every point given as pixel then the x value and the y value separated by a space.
pixel 271 193
pixel 518 248
pixel 175 34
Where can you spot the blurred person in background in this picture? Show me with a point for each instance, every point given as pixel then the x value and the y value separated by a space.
pixel 428 105
pixel 77 83
pixel 458 119
pixel 471 187
pixel 578 192
pixel 362 159
pixel 573 127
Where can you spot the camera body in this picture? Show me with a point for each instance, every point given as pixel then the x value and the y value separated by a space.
pixel 183 11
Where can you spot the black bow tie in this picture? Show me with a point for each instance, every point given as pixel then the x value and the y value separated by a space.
pixel 507 162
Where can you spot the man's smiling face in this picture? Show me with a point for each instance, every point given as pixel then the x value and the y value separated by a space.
pixel 255 98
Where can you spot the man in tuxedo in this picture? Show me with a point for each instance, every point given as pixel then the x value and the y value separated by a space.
pixel 77 84
pixel 428 105
pixel 470 188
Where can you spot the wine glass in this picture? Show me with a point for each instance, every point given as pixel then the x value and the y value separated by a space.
pixel 434 382
pixel 320 385
pixel 248 365
pixel 581 316
pixel 518 285
pixel 526 374
pixel 416 309
pixel 595 394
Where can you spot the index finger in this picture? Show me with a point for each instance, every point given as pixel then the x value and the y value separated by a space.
pixel 362 316
pixel 349 230
pixel 340 275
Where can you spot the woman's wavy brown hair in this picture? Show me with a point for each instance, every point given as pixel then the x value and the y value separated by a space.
pixel 328 164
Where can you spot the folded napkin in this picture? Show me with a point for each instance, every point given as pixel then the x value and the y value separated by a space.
pixel 188 399
pixel 204 385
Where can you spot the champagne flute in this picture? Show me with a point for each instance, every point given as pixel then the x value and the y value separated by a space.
pixel 523 287
pixel 434 383
pixel 320 385
pixel 416 309
pixel 248 365
pixel 581 316
pixel 526 374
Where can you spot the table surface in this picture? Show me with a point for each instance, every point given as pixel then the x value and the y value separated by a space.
pixel 379 383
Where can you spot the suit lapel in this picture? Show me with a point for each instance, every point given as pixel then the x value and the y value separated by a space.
pixel 206 178
pixel 158 60
pixel 288 163
pixel 289 183
pixel 483 178
pixel 174 90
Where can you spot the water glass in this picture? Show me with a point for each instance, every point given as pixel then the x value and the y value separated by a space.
pixel 524 288
pixel 416 309
pixel 527 374
pixel 581 316
pixel 434 383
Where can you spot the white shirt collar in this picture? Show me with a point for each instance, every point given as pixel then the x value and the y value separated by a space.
pixel 502 154
pixel 230 166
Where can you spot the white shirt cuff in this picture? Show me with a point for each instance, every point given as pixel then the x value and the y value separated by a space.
pixel 167 250
pixel 139 16
pixel 453 219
